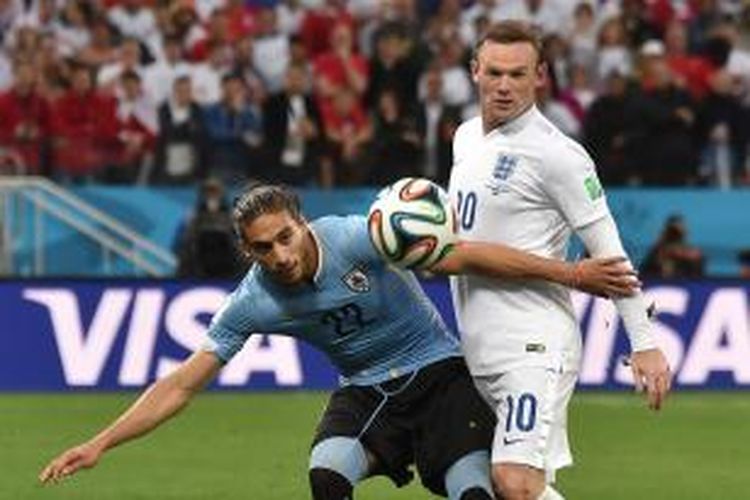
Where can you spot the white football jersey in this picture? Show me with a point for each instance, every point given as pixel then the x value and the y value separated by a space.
pixel 526 185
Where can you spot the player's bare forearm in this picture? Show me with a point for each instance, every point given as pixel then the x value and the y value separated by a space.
pixel 161 401
pixel 609 277
pixel 500 261
pixel 157 404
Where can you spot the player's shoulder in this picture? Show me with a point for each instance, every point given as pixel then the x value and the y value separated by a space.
pixel 243 303
pixel 337 226
pixel 557 149
pixel 468 130
pixel 341 234
pixel 466 135
pixel 251 285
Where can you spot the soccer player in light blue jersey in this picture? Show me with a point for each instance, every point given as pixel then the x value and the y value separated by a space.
pixel 406 396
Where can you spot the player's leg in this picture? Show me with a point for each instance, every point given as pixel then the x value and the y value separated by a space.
pixel 558 449
pixel 454 434
pixel 338 461
pixel 518 481
pixel 337 464
pixel 346 452
pixel 527 440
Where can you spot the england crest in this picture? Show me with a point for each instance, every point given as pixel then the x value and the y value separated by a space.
pixel 504 168
pixel 356 280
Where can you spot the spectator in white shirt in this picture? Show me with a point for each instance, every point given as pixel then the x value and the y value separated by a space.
pixel 129 59
pixel 133 19
pixel 159 76
pixel 270 51
pixel 206 76
pixel 72 33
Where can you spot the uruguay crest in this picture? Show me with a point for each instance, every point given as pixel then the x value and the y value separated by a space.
pixel 356 280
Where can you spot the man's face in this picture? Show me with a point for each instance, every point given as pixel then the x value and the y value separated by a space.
pixel 25 76
pixel 507 76
pixel 296 81
pixel 183 92
pixel 131 88
pixel 82 81
pixel 234 89
pixel 283 246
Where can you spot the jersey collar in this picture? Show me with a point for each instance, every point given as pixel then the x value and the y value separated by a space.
pixel 319 270
pixel 517 123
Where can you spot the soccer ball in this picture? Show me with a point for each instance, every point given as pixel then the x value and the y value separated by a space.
pixel 412 223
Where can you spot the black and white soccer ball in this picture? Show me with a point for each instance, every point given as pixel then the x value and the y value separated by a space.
pixel 412 223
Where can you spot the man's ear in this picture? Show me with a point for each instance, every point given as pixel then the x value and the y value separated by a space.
pixel 542 75
pixel 474 70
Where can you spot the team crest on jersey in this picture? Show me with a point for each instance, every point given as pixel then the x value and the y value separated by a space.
pixel 504 167
pixel 356 280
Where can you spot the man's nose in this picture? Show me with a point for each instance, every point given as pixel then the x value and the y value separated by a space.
pixel 503 84
pixel 281 256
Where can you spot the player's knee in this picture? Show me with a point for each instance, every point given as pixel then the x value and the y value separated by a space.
pixel 469 477
pixel 326 484
pixel 517 482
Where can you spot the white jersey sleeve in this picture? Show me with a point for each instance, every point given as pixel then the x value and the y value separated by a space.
pixel 570 180
pixel 602 240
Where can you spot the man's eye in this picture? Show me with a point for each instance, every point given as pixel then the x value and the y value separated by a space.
pixel 260 249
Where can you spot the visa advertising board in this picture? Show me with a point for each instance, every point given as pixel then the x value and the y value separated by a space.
pixel 110 335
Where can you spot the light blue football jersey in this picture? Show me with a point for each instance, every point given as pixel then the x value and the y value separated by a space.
pixel 373 320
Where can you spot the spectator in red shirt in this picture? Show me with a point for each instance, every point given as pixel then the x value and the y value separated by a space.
pixel 217 33
pixel 693 72
pixel 340 67
pixel 24 119
pixel 137 129
pixel 348 131
pixel 84 127
pixel 242 19
pixel 318 24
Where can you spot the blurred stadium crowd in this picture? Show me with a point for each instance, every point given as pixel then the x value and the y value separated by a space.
pixel 341 93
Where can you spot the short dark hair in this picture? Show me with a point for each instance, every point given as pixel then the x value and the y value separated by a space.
pixel 511 31
pixel 232 75
pixel 130 75
pixel 259 199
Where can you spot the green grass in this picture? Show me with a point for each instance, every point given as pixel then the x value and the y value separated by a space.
pixel 254 446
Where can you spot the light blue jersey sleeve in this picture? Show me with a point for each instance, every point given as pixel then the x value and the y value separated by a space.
pixel 231 325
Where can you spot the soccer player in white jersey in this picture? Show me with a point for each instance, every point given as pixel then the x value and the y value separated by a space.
pixel 519 181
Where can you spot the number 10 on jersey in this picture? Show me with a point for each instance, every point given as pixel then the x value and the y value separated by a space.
pixel 467 207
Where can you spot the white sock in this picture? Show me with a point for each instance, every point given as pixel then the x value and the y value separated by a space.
pixel 550 493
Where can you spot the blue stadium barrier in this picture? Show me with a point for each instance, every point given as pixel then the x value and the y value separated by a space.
pixel 717 221
pixel 59 335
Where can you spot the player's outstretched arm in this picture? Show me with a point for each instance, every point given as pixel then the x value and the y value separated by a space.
pixel 606 276
pixel 650 367
pixel 158 403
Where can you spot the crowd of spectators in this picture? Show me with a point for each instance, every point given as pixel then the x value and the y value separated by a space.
pixel 341 93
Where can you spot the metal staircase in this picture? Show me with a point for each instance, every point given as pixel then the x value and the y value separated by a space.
pixel 29 206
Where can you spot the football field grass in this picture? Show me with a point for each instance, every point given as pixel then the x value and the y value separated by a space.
pixel 254 447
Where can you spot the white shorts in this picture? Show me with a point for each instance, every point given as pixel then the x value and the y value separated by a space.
pixel 531 404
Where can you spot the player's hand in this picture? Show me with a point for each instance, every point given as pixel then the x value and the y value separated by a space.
pixel 651 372
pixel 607 277
pixel 68 463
